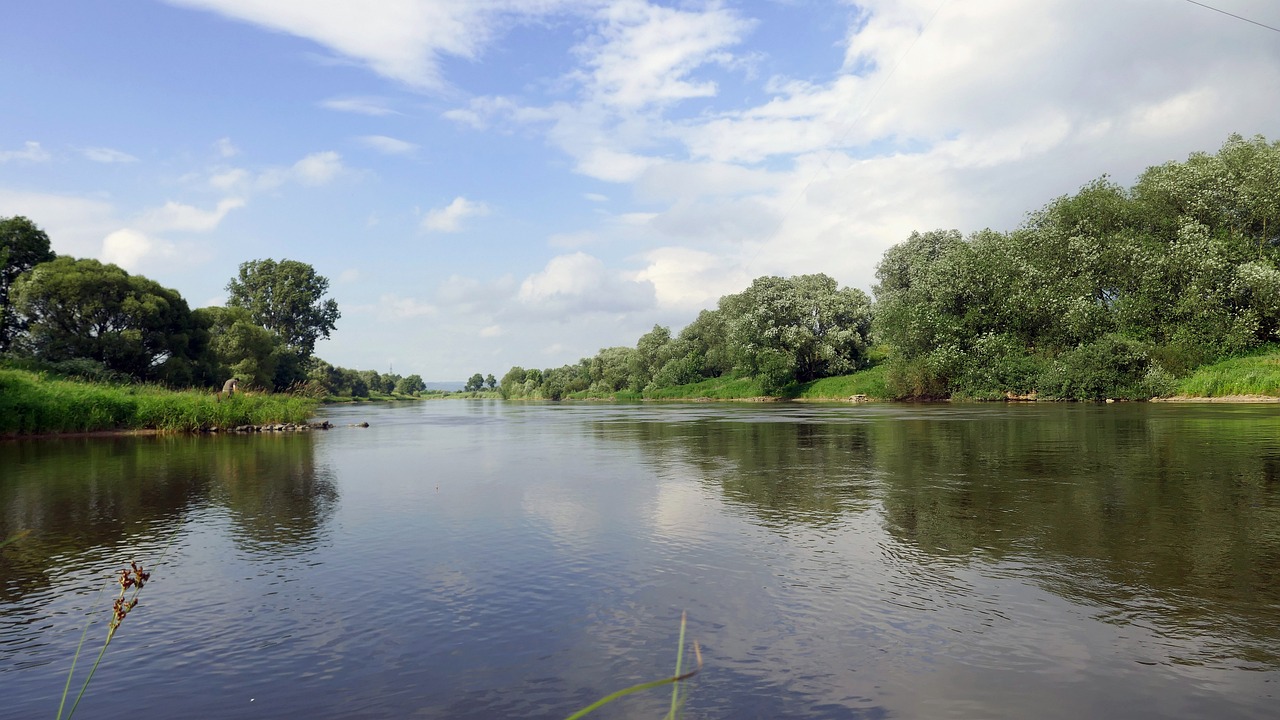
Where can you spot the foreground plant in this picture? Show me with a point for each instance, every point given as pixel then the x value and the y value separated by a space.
pixel 131 577
pixel 674 681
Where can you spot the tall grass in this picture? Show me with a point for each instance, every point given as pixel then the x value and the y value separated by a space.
pixel 35 403
pixel 1255 374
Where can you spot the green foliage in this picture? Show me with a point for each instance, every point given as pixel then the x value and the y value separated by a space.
pixel 512 385
pixel 32 403
pixel 653 350
pixel 1111 367
pixel 411 385
pixel 1255 374
pixel 1106 293
pixel 287 299
pixel 721 388
pixel 797 329
pixel 474 383
pixel 130 324
pixel 869 382
pixel 241 348
pixel 23 245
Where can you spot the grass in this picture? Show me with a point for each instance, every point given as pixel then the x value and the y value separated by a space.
pixel 721 388
pixel 33 403
pixel 1254 374
pixel 869 382
pixel 674 681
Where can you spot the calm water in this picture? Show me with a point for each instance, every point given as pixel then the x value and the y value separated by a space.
pixel 470 559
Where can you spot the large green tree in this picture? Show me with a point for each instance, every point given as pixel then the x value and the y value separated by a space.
pixel 798 329
pixel 129 323
pixel 240 347
pixel 287 298
pixel 23 245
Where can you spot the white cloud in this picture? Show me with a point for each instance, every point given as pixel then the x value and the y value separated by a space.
pixel 75 225
pixel 580 283
pixel 691 280
pixel 491 331
pixel 30 152
pixel 646 53
pixel 177 216
pixel 225 148
pixel 108 155
pixel 399 39
pixel 449 218
pixel 318 168
pixel 130 249
pixel 596 197
pixel 373 106
pixel 395 307
pixel 388 145
pixel 229 179
pixel 348 276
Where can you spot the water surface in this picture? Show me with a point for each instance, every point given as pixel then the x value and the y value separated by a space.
pixel 474 559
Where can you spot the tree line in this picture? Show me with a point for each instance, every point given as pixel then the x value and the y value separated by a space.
pixel 85 318
pixel 1112 292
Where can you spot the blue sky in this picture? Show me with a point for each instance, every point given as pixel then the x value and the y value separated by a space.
pixel 490 183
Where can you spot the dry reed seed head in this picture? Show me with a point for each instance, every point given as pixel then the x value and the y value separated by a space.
pixel 119 610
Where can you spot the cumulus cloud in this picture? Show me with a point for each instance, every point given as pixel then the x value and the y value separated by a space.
pixel 317 168
pixel 30 152
pixel 449 218
pixel 130 249
pixel 388 145
pixel 580 283
pixel 108 155
pixel 178 216
pixel 75 224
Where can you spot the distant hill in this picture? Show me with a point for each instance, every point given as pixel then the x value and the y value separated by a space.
pixel 446 386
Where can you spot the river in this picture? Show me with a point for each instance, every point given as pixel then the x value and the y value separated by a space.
pixel 479 559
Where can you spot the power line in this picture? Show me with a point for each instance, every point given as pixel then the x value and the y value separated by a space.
pixel 1238 17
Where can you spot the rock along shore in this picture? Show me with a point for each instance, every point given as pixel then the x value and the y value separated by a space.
pixel 281 427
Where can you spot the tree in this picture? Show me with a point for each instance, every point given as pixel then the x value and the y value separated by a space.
pixel 239 347
pixel 287 299
pixel 411 385
pixel 129 323
pixel 798 329
pixel 23 245
pixel 652 351
pixel 475 383
pixel 490 381
pixel 512 384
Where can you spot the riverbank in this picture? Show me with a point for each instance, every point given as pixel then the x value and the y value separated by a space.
pixel 36 404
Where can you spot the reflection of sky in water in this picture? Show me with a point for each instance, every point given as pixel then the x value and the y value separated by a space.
pixel 476 559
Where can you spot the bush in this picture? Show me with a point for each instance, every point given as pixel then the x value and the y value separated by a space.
pixel 1110 367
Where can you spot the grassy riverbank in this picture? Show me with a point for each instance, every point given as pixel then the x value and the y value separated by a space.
pixel 35 403
pixel 1254 374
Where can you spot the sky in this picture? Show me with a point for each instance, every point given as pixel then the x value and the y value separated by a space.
pixel 490 183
